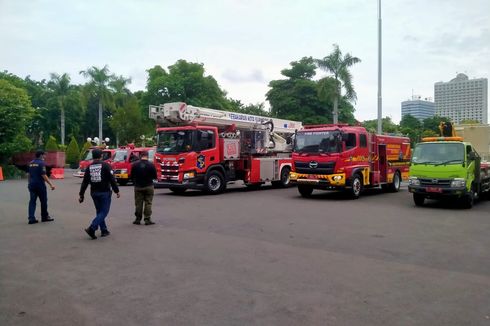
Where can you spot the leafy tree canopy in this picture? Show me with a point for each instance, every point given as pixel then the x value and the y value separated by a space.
pixel 15 113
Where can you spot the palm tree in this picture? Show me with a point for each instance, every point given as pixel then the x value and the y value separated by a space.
pixel 60 85
pixel 99 84
pixel 121 92
pixel 121 96
pixel 338 65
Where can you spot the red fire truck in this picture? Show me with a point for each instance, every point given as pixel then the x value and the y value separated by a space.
pixel 123 158
pixel 205 149
pixel 107 155
pixel 348 158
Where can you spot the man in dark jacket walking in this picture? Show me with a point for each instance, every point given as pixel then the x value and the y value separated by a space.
pixel 143 173
pixel 37 188
pixel 98 174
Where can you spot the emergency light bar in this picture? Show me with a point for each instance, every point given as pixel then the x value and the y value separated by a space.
pixel 426 139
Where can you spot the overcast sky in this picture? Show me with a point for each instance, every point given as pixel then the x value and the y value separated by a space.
pixel 245 44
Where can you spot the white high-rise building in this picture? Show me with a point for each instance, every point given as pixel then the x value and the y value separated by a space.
pixel 462 99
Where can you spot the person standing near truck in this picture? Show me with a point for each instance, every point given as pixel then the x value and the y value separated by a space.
pixel 143 173
pixel 100 178
pixel 37 188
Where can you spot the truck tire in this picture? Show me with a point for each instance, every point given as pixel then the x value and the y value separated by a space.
pixel 215 183
pixel 468 200
pixel 284 182
pixel 305 191
pixel 395 185
pixel 177 190
pixel 122 182
pixel 418 199
pixel 356 186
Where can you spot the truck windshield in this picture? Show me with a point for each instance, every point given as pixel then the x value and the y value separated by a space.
pixel 87 156
pixel 120 156
pixel 173 142
pixel 438 153
pixel 106 155
pixel 318 142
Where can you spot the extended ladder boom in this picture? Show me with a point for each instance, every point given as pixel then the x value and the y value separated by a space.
pixel 181 113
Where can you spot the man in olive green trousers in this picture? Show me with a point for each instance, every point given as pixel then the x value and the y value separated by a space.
pixel 143 173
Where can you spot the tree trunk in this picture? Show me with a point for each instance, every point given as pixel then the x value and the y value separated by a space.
pixel 336 109
pixel 62 125
pixel 100 120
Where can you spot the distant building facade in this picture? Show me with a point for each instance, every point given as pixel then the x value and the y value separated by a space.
pixel 478 135
pixel 418 108
pixel 462 99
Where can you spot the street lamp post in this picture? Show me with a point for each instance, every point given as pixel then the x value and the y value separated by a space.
pixel 380 125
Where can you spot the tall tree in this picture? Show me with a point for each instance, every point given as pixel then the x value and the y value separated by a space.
pixel 99 80
pixel 15 113
pixel 60 85
pixel 122 95
pixel 296 97
pixel 185 82
pixel 338 65
pixel 128 122
pixel 411 126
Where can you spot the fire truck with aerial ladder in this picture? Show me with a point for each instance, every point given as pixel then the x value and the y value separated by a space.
pixel 202 148
pixel 349 158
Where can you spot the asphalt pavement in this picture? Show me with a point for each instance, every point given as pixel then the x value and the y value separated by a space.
pixel 246 257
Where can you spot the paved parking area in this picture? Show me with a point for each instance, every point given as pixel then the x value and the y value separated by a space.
pixel 264 257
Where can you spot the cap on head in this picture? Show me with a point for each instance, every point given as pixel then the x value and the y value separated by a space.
pixel 96 154
pixel 39 153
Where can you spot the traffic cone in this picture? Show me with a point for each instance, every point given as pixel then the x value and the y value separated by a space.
pixel 58 173
pixel 1 174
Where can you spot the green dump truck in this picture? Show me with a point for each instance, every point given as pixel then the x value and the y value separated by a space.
pixel 447 167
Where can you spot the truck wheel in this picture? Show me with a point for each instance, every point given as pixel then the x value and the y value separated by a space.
pixel 215 183
pixel 305 191
pixel 395 185
pixel 355 190
pixel 418 199
pixel 177 190
pixel 284 182
pixel 468 200
pixel 122 182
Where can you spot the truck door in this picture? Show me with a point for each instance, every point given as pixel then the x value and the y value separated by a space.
pixel 382 162
pixel 206 149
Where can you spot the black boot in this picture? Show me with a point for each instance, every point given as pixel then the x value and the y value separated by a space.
pixel 91 233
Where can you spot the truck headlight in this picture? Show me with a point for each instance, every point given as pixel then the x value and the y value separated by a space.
pixel 189 175
pixel 413 181
pixel 458 183
pixel 337 177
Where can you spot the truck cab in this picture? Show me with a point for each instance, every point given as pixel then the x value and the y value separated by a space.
pixel 447 167
pixel 124 157
pixel 183 155
pixel 107 156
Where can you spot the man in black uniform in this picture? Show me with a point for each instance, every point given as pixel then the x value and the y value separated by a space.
pixel 99 175
pixel 143 172
pixel 37 188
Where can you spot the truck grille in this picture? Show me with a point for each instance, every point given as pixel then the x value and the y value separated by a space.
pixel 435 182
pixel 321 168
